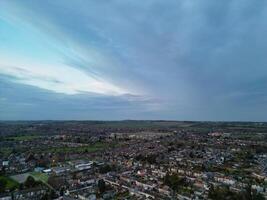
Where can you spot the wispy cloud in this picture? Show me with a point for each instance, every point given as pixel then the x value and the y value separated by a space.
pixel 47 62
pixel 146 59
pixel 58 78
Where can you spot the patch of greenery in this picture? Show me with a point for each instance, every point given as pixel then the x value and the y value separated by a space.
pixel 107 168
pixel 80 149
pixel 174 181
pixel 22 137
pixel 5 151
pixel 151 159
pixel 38 176
pixel 31 182
pixel 7 183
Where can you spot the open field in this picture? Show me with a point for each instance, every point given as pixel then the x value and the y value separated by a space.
pixel 5 151
pixel 22 137
pixel 10 184
pixel 20 178
pixel 80 149
pixel 38 176
pixel 91 148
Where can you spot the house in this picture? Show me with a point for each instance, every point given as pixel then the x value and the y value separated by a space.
pixel 33 193
pixel 60 170
pixel 5 163
pixel 5 197
pixel 47 171
pixel 38 169
pixel 83 165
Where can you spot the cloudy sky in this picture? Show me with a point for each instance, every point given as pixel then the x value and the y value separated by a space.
pixel 133 59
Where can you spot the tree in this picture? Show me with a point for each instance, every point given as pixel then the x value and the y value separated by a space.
pixel 105 169
pixel 101 186
pixel 21 186
pixel 3 183
pixel 52 194
pixel 57 182
pixel 30 182
pixel 258 196
pixel 174 181
pixel 61 192
pixel 3 170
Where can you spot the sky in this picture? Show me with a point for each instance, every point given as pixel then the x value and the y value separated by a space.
pixel 132 59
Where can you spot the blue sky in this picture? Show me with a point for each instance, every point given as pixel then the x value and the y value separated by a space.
pixel 131 59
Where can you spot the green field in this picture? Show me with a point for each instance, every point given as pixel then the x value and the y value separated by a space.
pixel 22 137
pixel 5 151
pixel 88 148
pixel 20 178
pixel 8 183
pixel 38 176
pixel 99 146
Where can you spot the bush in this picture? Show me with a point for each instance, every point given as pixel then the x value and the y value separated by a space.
pixel 106 168
pixel 101 186
pixel 30 182
pixel 174 181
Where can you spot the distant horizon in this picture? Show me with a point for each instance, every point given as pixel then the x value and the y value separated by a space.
pixel 123 120
pixel 114 60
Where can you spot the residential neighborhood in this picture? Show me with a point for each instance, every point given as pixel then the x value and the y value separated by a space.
pixel 171 163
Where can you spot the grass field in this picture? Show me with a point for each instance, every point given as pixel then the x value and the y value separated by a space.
pixel 39 176
pixel 5 151
pixel 10 184
pixel 20 178
pixel 22 137
pixel 88 148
